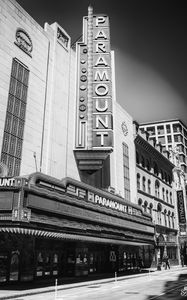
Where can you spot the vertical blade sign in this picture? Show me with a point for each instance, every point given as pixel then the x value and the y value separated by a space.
pixel 94 88
pixel 102 88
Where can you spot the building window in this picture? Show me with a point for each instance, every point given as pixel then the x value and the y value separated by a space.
pixel 149 186
pixel 126 172
pixel 169 137
pixel 182 158
pixel 151 208
pixel 172 220
pixel 170 195
pixel 167 199
pixel 145 206
pixel 148 165
pixel 143 162
pixel 159 217
pixel 169 222
pixel 140 201
pixel 169 179
pixel 155 168
pixel 160 129
pixel 143 184
pixel 162 174
pixel 165 177
pixel 165 218
pixel 15 118
pixel 168 128
pixel 181 148
pixel 151 130
pixel 177 128
pixel 163 194
pixel 178 138
pixel 138 181
pixel 157 186
pixel 161 139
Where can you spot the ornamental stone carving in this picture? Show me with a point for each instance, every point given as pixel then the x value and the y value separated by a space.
pixel 23 41
pixel 124 128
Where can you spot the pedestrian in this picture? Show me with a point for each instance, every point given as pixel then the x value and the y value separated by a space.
pixel 140 263
pixel 182 260
pixel 167 264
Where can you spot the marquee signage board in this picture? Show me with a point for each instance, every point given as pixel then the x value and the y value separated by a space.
pixel 94 86
pixel 113 204
pixel 7 182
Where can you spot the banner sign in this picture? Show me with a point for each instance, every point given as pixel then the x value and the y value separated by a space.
pixel 181 208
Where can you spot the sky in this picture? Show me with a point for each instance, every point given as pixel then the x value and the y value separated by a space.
pixel 149 38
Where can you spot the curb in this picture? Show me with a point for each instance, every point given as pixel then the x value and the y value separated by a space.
pixel 82 284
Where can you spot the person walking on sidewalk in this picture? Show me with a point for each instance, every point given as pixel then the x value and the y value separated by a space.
pixel 182 260
pixel 167 264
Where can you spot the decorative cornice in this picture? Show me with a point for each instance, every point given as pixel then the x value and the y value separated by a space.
pixel 154 152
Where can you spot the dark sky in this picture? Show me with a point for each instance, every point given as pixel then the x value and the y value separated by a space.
pixel 150 42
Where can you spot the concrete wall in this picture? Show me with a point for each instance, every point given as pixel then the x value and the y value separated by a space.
pixel 50 110
pixel 117 173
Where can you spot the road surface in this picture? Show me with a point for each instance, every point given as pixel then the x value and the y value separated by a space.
pixel 169 284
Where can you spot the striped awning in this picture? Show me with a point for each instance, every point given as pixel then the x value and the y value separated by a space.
pixel 70 236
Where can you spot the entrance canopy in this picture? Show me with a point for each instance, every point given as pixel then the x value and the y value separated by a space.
pixel 69 236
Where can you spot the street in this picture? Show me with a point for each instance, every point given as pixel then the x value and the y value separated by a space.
pixel 169 284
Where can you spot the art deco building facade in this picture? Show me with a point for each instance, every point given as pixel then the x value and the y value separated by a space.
pixel 68 194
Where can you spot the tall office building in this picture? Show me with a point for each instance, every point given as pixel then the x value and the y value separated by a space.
pixel 170 133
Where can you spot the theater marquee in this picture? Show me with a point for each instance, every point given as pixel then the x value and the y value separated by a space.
pixel 94 86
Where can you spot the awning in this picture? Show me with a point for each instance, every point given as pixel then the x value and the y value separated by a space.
pixel 70 236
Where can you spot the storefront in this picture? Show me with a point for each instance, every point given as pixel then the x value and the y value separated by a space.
pixel 166 245
pixel 52 228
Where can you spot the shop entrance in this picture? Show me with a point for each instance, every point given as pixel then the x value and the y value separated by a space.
pixel 14 266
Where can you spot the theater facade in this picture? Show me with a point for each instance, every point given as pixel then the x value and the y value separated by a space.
pixel 65 228
pixel 68 188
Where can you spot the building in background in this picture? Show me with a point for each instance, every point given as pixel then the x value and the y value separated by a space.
pixel 179 186
pixel 68 194
pixel 156 194
pixel 172 134
pixel 168 133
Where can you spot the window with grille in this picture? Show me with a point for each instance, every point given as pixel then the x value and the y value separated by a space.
pixel 15 118
pixel 126 172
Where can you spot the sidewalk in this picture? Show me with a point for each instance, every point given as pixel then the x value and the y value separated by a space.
pixel 12 292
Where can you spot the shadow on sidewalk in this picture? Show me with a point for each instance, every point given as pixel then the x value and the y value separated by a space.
pixel 176 289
